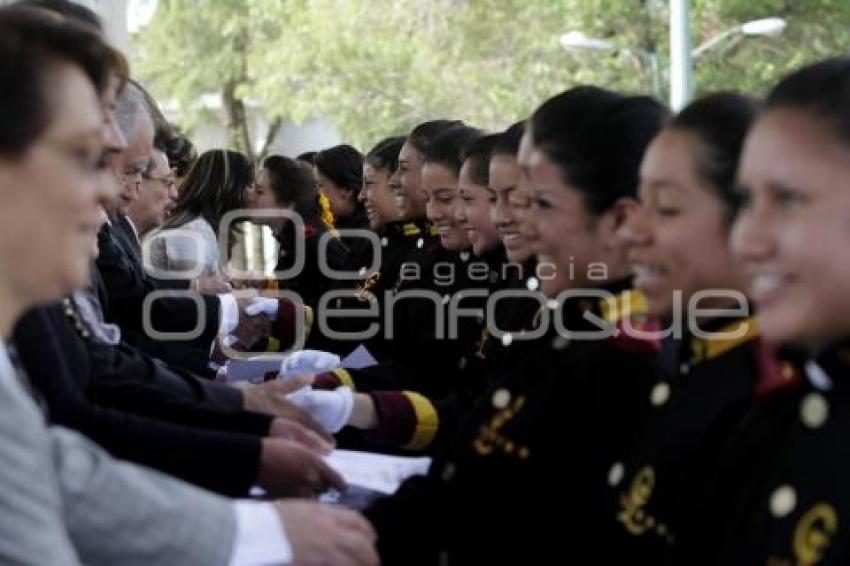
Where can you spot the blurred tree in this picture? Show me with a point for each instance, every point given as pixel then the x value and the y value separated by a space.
pixel 377 67
pixel 201 47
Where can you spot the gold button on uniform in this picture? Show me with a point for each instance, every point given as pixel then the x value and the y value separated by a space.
pixel 615 474
pixel 507 339
pixel 420 242
pixel 782 501
pixel 501 398
pixel 660 394
pixel 814 410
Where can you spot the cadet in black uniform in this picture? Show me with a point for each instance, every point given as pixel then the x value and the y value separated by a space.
pixel 284 183
pixel 417 318
pixel 339 170
pixel 511 201
pixel 781 494
pixel 679 243
pixel 376 195
pixel 540 436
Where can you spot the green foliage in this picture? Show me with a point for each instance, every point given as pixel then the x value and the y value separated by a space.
pixel 377 67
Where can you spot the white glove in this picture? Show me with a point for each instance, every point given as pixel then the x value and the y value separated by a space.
pixel 263 305
pixel 308 361
pixel 331 409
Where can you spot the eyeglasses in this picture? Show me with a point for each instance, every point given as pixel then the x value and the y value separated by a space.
pixel 167 182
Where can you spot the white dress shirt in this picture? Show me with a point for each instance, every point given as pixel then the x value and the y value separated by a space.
pixel 260 537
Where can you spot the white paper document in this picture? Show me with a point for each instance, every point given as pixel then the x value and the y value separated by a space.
pixel 253 369
pixel 358 359
pixel 376 472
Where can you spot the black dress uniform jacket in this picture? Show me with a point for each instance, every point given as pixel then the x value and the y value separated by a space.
pixel 51 345
pixel 420 360
pixel 419 354
pixel 781 495
pixel 310 283
pixel 400 241
pixel 521 483
pixel 414 421
pixel 691 413
pixel 359 249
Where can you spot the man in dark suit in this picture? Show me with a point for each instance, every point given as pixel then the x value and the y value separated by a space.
pixel 141 411
pixel 129 288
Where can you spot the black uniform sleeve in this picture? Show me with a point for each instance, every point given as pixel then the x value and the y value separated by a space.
pixel 405 523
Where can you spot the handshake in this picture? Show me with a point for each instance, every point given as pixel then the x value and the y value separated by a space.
pixel 329 411
pixel 254 322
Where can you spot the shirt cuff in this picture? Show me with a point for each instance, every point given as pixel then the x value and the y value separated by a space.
pixel 229 313
pixel 260 536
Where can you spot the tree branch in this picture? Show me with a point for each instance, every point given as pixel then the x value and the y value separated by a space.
pixel 237 120
pixel 274 128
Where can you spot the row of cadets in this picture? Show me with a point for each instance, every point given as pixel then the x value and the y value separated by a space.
pixel 415 271
pixel 413 347
pixel 398 238
pixel 409 240
pixel 405 418
pixel 561 406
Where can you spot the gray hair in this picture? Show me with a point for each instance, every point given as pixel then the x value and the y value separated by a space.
pixel 131 106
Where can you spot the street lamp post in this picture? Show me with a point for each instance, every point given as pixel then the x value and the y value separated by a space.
pixel 573 40
pixel 681 55
pixel 766 27
pixel 681 65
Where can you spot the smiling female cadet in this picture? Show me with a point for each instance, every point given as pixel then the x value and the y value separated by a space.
pixel 781 493
pixel 679 244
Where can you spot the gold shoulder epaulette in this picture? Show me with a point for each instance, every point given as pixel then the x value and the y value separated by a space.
pixel 410 229
pixel 623 305
pixel 729 337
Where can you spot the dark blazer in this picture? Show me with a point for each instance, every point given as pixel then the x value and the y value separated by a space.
pixel 127 284
pixel 137 408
